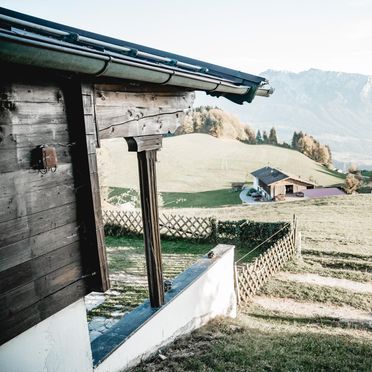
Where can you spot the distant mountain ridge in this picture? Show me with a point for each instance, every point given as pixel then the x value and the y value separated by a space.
pixel 334 107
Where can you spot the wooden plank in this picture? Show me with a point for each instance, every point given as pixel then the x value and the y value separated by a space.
pixel 26 249
pixel 28 226
pixel 33 135
pixel 30 181
pixel 83 155
pixel 24 92
pixel 39 266
pixel 123 114
pixel 28 203
pixel 32 315
pixel 32 113
pixel 26 295
pixel 92 141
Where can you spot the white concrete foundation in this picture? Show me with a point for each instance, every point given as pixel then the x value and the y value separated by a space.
pixel 210 295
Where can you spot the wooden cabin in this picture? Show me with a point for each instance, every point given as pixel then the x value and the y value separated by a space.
pixel 274 183
pixel 62 92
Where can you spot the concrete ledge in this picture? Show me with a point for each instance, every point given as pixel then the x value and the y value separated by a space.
pixel 202 292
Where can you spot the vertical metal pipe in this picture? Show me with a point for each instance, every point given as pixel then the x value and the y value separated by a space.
pixel 151 231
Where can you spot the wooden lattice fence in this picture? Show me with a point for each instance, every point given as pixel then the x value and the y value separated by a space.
pixel 199 228
pixel 176 226
pixel 250 277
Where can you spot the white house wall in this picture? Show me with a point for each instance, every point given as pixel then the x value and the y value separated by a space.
pixel 59 343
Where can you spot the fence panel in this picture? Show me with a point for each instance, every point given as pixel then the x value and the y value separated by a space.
pixel 252 276
pixel 170 225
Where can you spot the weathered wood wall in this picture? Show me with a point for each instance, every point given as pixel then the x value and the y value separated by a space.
pixel 51 233
pixel 44 234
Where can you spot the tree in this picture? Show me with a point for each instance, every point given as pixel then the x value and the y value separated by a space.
pixel 273 140
pixel 352 183
pixel 250 135
pixel 259 137
pixel 294 142
pixel 265 138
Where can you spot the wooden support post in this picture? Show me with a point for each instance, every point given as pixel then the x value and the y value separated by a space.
pixel 146 148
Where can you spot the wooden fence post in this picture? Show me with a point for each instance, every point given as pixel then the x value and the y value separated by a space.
pixel 296 237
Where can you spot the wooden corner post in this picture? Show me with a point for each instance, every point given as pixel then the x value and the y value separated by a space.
pixel 146 148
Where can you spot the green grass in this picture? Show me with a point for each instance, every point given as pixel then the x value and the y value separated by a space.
pixel 168 246
pixel 176 246
pixel 367 173
pixel 230 346
pixel 204 199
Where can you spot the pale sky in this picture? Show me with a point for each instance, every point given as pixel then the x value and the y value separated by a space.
pixel 251 36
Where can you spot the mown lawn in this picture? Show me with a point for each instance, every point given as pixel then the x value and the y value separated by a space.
pixel 205 199
pixel 262 345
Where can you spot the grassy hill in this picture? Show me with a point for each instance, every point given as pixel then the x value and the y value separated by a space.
pixel 199 162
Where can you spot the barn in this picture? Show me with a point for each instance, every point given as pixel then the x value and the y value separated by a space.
pixel 273 182
pixel 62 91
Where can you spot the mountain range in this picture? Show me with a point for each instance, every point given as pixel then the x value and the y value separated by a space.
pixel 334 107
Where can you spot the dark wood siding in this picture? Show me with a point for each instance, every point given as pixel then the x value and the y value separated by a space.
pixel 48 226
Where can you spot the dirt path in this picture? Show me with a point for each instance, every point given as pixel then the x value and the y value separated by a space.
pixel 308 278
pixel 311 309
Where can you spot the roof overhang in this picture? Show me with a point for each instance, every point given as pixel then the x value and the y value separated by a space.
pixel 31 41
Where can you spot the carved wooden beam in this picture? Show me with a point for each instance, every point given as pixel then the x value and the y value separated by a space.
pixel 129 114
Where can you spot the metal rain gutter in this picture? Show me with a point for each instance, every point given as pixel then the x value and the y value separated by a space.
pixel 22 50
pixel 59 49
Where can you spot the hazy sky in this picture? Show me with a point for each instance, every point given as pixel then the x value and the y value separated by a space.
pixel 248 35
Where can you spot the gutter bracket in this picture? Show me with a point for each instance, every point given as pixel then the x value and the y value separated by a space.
pixel 104 68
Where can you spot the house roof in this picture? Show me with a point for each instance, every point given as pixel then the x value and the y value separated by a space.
pixel 270 175
pixel 33 41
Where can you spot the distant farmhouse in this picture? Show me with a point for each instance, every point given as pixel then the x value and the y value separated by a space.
pixel 273 183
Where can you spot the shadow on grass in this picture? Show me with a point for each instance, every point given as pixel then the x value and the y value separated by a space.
pixel 337 255
pixel 320 321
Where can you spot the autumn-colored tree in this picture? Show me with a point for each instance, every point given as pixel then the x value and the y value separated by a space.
pixel 216 122
pixel 352 182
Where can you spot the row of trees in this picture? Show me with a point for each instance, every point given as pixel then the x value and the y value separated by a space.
pixel 218 123
pixel 270 139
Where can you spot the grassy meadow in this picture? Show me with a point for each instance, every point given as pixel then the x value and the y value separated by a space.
pixel 207 199
pixel 316 315
pixel 195 163
pixel 313 316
